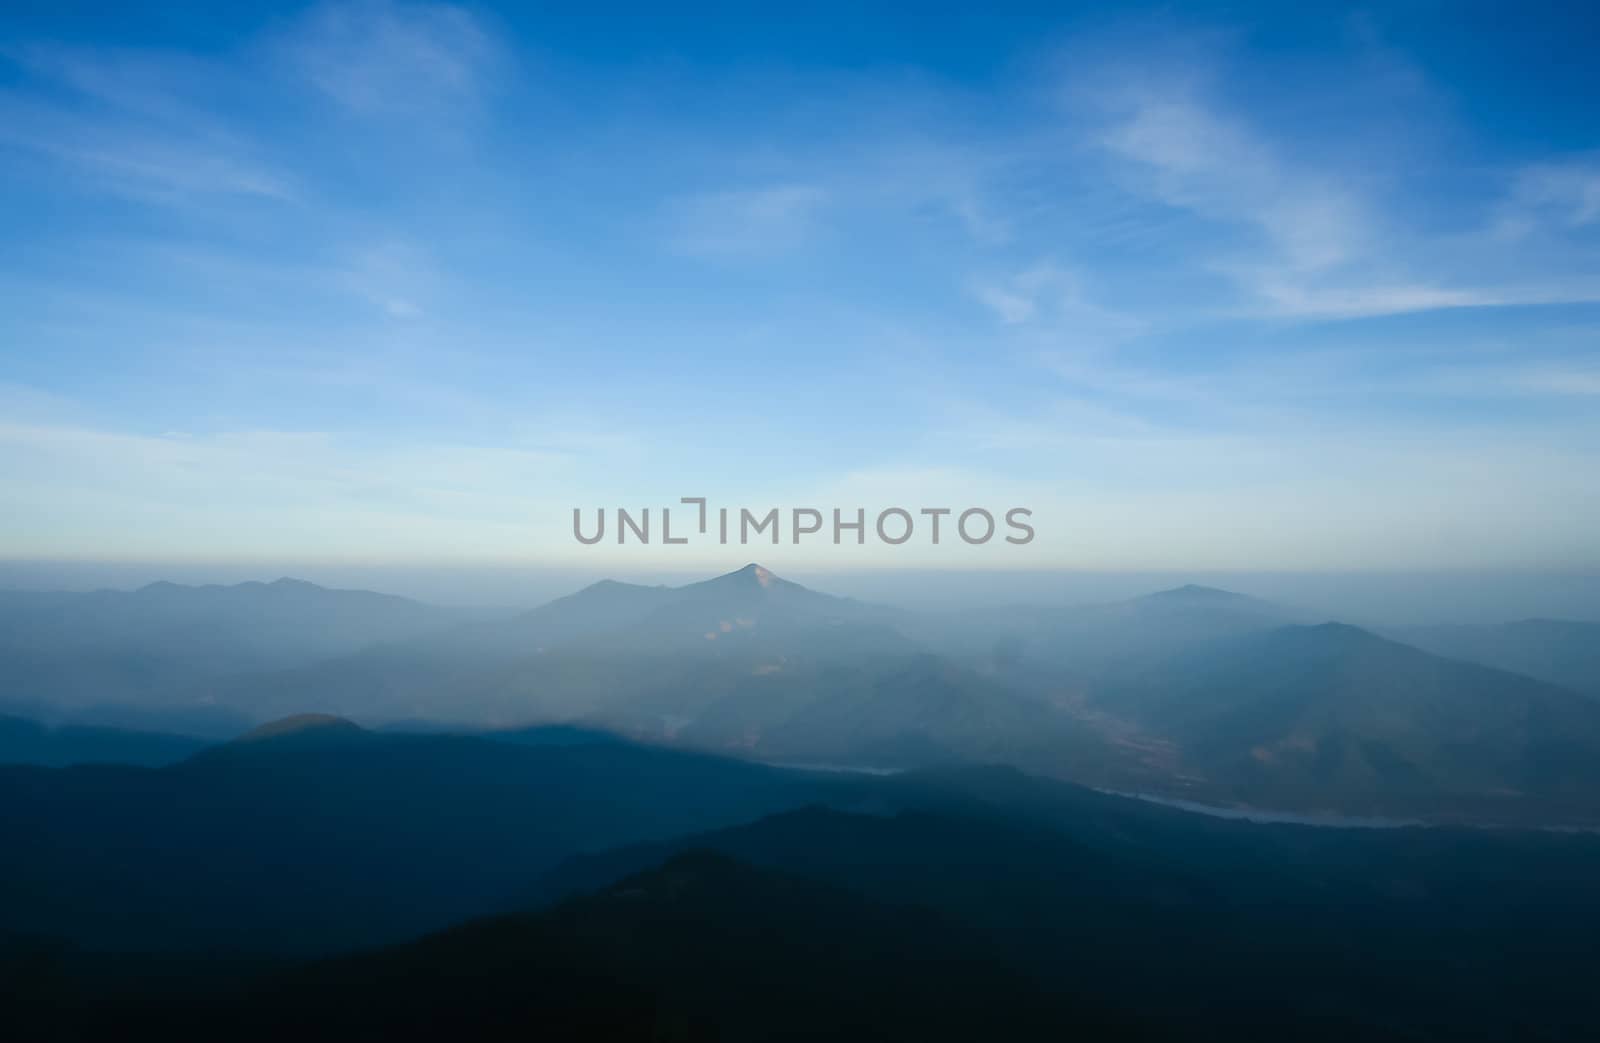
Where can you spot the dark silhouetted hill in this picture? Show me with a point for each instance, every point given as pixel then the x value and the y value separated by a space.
pixel 319 834
pixel 23 741
pixel 990 905
pixel 1223 930
pixel 701 948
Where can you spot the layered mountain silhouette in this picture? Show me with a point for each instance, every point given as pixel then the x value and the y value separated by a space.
pixel 701 948
pixel 1336 716
pixel 142 658
pixel 25 741
pixel 741 809
pixel 1091 641
pixel 314 833
pixel 967 904
pixel 645 660
pixel 1193 692
pixel 1376 932
pixel 317 878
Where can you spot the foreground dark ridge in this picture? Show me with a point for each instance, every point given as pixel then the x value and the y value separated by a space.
pixel 989 905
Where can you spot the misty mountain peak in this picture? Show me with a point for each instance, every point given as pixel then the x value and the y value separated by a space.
pixel 300 724
pixel 751 577
pixel 1196 592
pixel 758 574
pixel 290 583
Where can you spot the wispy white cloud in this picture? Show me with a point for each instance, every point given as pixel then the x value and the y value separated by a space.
pixel 1553 378
pixel 148 166
pixel 1015 300
pixel 163 86
pixel 135 124
pixel 1191 155
pixel 1049 295
pixel 1288 299
pixel 771 219
pixel 1566 194
pixel 375 57
pixel 1322 240
pixel 1561 380
pixel 1291 299
pixel 394 276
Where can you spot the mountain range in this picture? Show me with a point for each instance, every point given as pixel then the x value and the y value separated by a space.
pixel 1194 693
pixel 1335 716
pixel 142 658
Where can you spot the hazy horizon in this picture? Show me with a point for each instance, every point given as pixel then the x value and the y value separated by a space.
pixel 1458 596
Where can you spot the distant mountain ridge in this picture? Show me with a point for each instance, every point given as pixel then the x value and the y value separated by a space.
pixel 590 655
pixel 1336 714
pixel 1194 691
pixel 157 644
pixel 1563 652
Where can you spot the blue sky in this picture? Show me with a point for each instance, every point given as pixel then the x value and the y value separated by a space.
pixel 1226 287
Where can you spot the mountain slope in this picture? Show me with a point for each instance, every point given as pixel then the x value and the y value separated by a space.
pixel 23 741
pixel 1271 931
pixel 1053 649
pixel 701 948
pixel 323 835
pixel 1100 638
pixel 915 711
pixel 937 924
pixel 155 645
pixel 1334 716
pixel 1562 652
pixel 963 904
pixel 640 658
